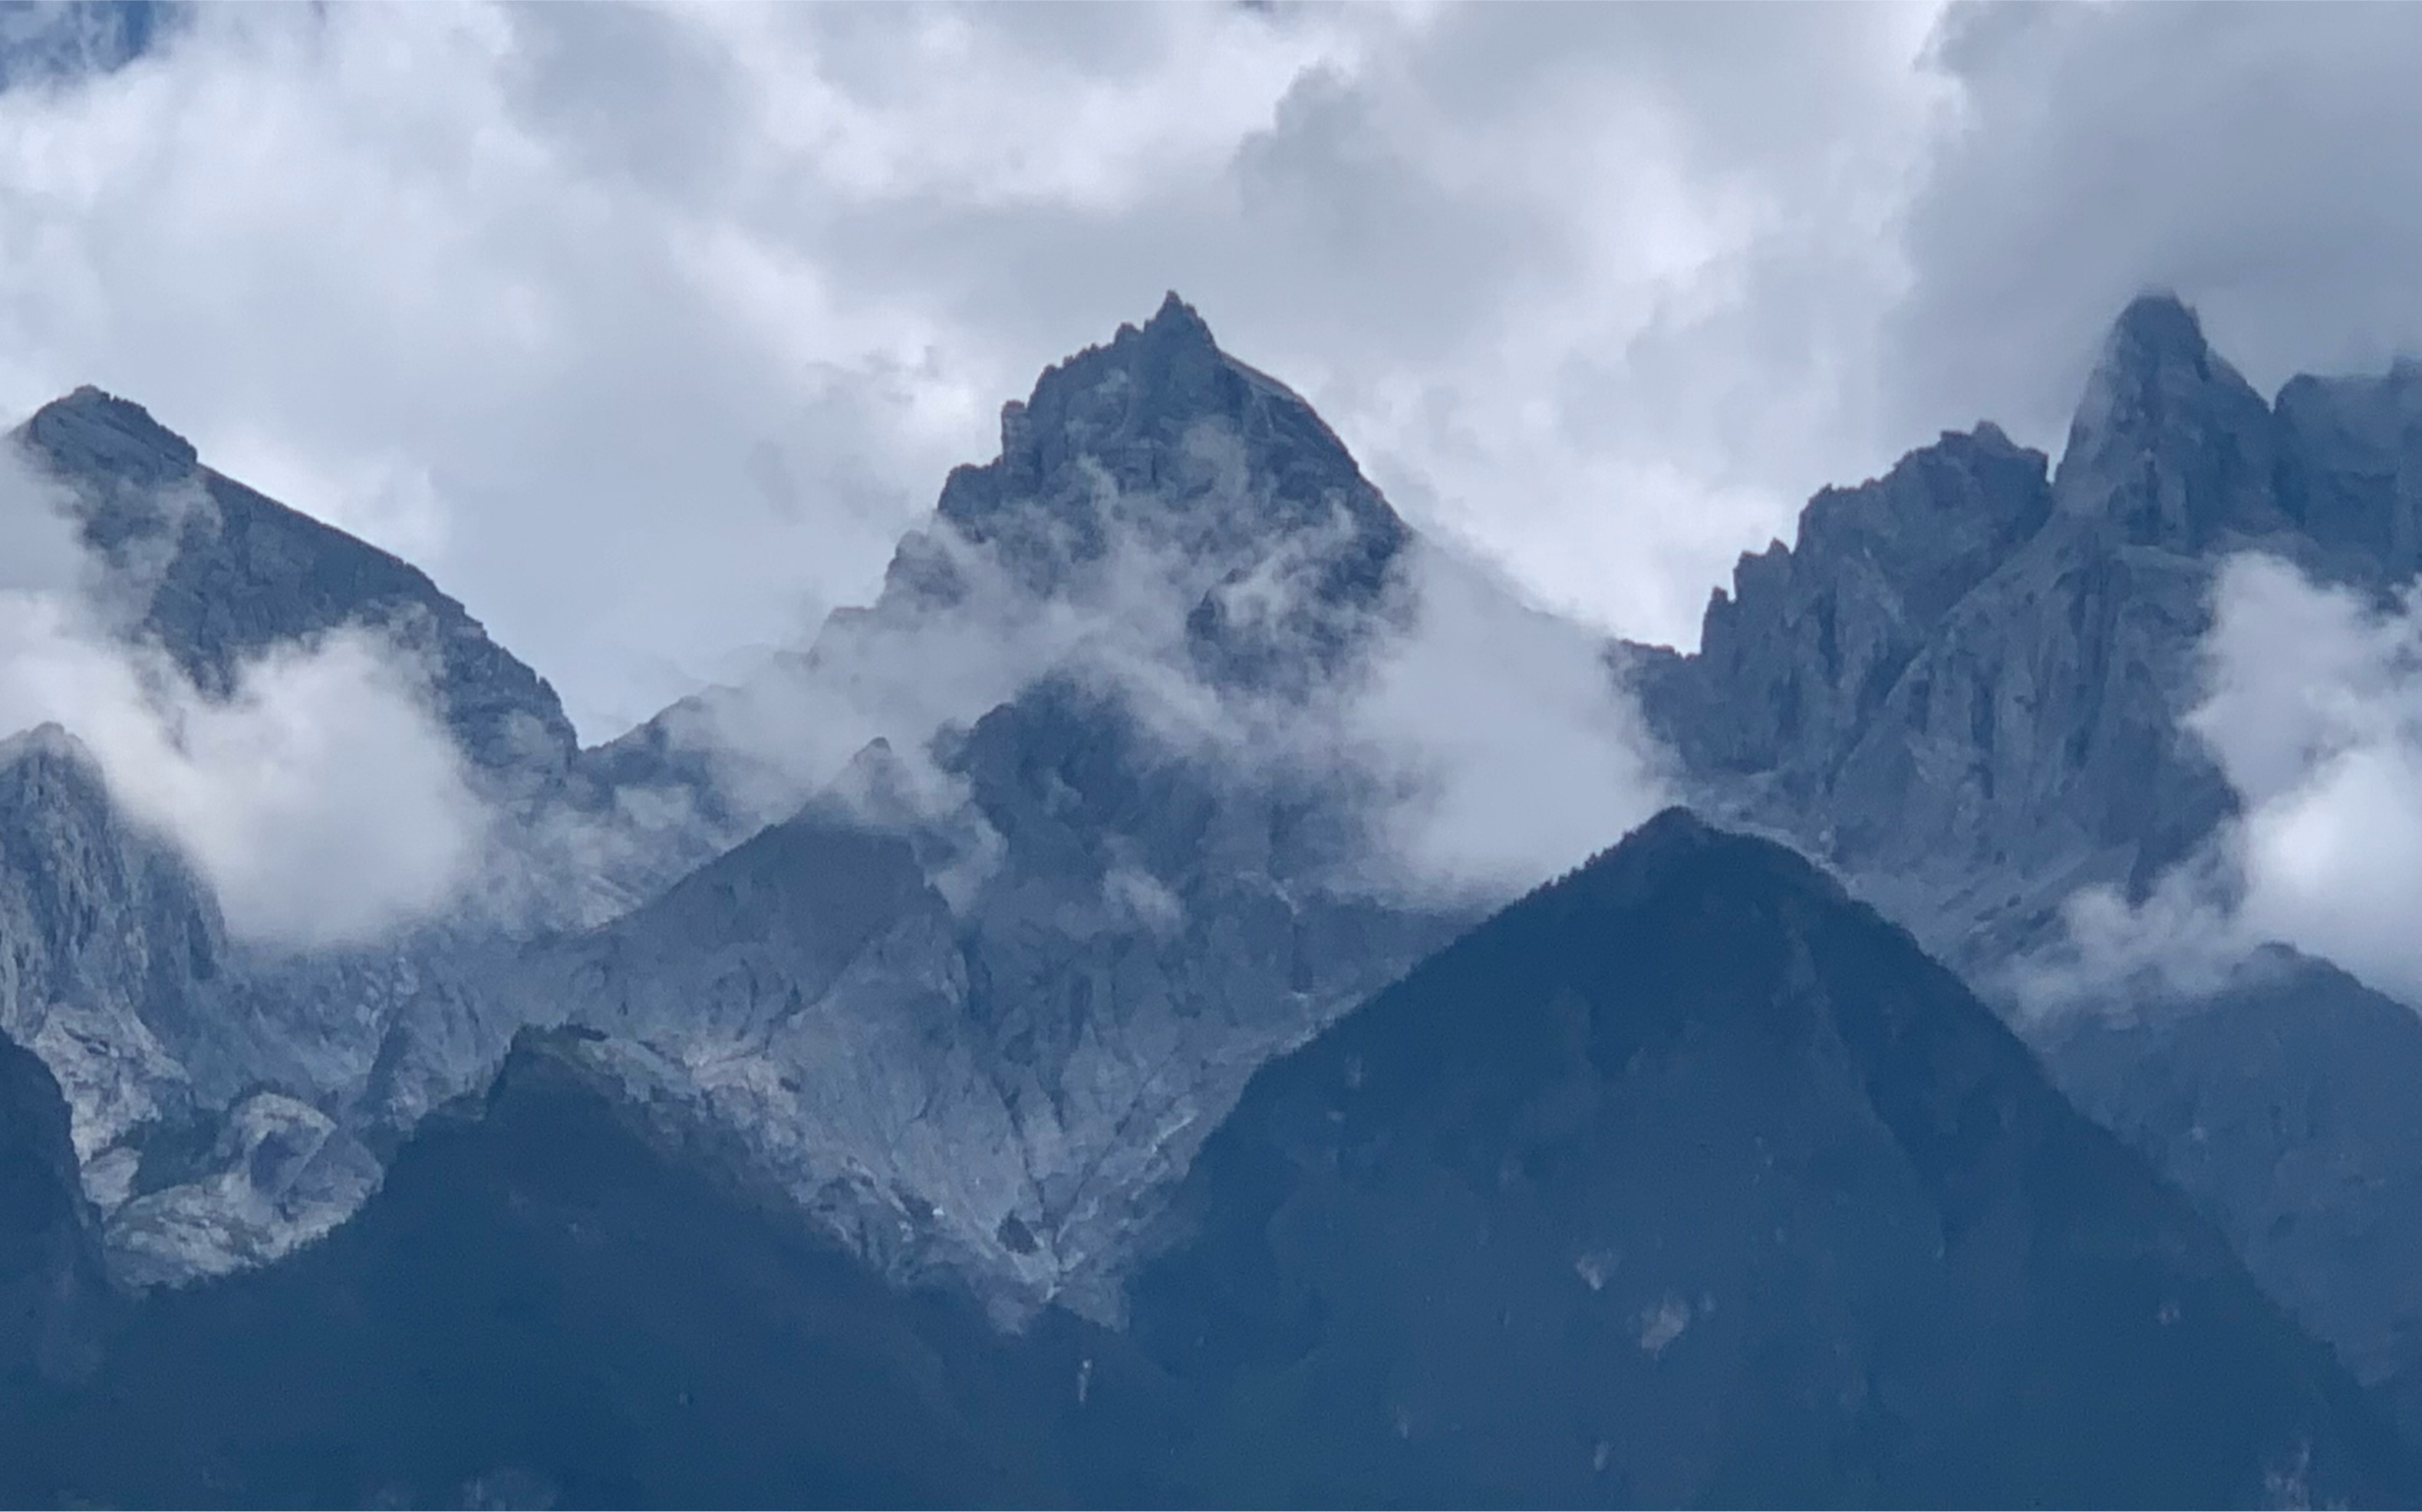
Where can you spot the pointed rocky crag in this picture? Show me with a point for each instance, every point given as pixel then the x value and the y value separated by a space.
pixel 2170 446
pixel 1155 484
pixel 1970 698
pixel 979 1024
pixel 2029 745
pixel 1162 431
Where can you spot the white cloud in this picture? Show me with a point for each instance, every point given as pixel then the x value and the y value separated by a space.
pixel 2312 707
pixel 2315 715
pixel 320 799
pixel 647 328
pixel 536 293
pixel 1511 754
pixel 1488 743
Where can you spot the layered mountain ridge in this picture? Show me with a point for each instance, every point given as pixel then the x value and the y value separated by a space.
pixel 1106 929
pixel 951 942
pixel 1965 684
pixel 1965 687
pixel 1686 1179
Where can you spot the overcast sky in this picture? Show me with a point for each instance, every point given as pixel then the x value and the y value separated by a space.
pixel 646 329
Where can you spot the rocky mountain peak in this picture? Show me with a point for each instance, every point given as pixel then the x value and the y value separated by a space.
pixel 92 431
pixel 1813 637
pixel 49 743
pixel 218 573
pixel 1176 321
pixel 2170 445
pixel 1160 439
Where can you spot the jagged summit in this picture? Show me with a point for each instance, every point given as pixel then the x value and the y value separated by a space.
pixel 2158 322
pixel 91 431
pixel 1160 458
pixel 48 742
pixel 1963 684
pixel 1175 319
pixel 1162 413
pixel 2170 442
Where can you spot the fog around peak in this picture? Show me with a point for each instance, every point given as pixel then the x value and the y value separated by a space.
pixel 2311 707
pixel 320 799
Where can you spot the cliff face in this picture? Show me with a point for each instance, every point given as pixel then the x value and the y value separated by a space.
pixel 114 950
pixel 1964 685
pixel 1047 936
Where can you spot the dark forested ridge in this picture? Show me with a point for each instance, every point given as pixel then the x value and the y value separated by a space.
pixel 1684 1180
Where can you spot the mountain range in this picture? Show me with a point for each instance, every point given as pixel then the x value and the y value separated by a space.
pixel 1011 1049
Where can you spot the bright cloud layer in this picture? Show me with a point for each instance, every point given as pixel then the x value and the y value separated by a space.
pixel 647 328
pixel 2312 707
pixel 321 800
pixel 2315 715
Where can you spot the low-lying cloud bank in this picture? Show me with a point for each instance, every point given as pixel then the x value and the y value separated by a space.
pixel 1483 745
pixel 320 798
pixel 2312 708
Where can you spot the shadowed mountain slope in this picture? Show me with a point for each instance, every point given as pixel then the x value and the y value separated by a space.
pixel 1687 1180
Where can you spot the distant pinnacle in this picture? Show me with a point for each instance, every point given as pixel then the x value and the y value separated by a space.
pixel 2149 419
pixel 2157 325
pixel 93 429
pixel 1176 318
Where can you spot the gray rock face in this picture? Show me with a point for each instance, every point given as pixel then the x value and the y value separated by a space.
pixel 1971 720
pixel 279 1172
pixel 118 976
pixel 112 951
pixel 980 1000
pixel 1798 661
pixel 1964 689
pixel 998 1086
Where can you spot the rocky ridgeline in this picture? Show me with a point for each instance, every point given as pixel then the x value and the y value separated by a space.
pixel 969 956
pixel 1963 684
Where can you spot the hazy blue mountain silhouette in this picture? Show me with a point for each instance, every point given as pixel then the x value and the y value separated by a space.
pixel 1684 1180
pixel 1687 1180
